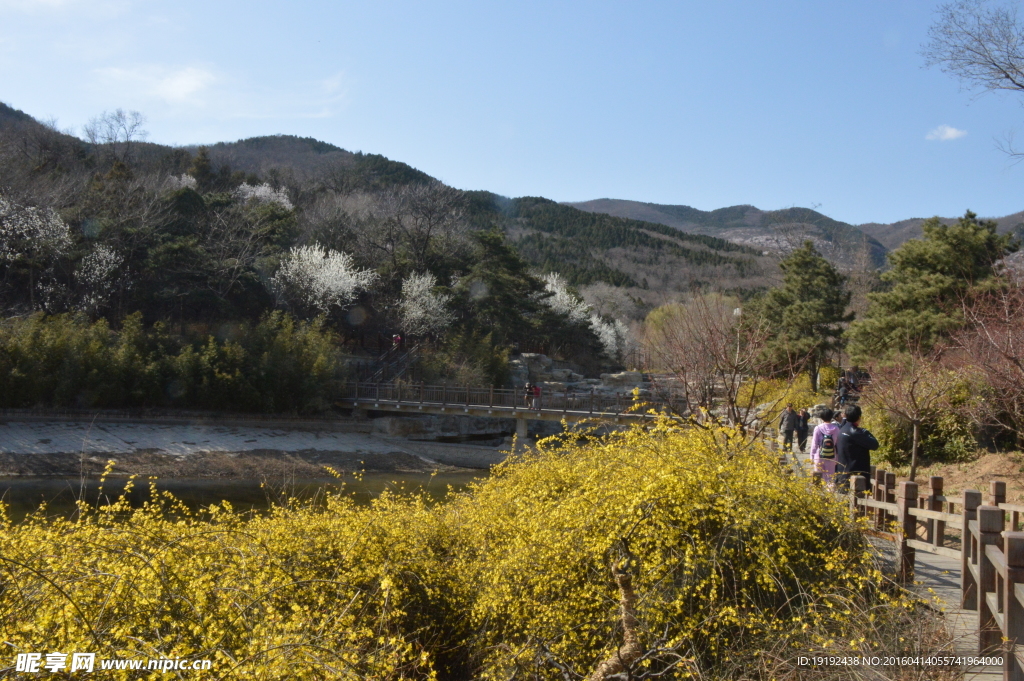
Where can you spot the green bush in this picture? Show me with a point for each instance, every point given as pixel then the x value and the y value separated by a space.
pixel 467 359
pixel 945 436
pixel 277 365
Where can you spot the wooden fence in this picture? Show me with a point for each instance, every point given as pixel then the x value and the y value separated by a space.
pixel 983 536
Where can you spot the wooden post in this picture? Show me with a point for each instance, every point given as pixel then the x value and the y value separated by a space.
pixel 858 490
pixel 890 496
pixel 968 587
pixel 1013 611
pixel 878 494
pixel 906 499
pixel 997 495
pixel 990 527
pixel 996 492
pixel 936 528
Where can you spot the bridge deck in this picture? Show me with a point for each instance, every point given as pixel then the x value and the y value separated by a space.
pixel 498 403
pixel 493 411
pixel 937 578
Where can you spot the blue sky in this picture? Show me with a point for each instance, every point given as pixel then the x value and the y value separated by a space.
pixel 708 104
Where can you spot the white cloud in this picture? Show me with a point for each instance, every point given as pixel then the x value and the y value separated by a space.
pixel 168 92
pixel 181 85
pixel 335 85
pixel 944 133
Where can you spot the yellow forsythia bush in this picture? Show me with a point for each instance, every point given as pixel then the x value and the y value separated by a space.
pixel 509 580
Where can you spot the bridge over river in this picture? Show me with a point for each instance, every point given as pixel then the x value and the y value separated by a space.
pixel 414 398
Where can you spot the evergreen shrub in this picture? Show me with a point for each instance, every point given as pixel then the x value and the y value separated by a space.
pixel 64 361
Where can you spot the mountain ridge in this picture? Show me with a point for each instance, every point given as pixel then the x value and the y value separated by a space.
pixel 750 225
pixel 775 231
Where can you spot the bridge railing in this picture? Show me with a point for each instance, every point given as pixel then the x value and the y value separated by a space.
pixel 983 537
pixel 592 402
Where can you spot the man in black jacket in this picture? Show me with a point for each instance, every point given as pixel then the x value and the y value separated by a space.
pixel 788 422
pixel 853 450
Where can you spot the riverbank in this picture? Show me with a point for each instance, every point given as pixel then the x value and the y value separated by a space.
pixel 200 450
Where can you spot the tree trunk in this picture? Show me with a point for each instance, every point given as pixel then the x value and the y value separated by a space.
pixel 812 369
pixel 913 451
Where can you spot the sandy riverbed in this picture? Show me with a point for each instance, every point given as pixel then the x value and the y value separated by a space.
pixel 62 448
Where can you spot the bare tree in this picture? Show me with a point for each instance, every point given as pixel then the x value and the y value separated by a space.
pixel 981 45
pixel 716 362
pixel 117 131
pixel 992 345
pixel 911 388
pixel 408 226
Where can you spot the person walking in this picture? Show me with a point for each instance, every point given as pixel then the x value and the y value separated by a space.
pixel 802 426
pixel 536 397
pixel 528 395
pixel 853 450
pixel 787 426
pixel 823 445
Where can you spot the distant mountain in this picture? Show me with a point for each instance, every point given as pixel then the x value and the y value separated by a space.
pixel 768 231
pixel 895 233
pixel 589 247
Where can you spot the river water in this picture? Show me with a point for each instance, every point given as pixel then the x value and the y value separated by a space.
pixel 24 495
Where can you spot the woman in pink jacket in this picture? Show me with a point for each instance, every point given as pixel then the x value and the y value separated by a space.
pixel 823 445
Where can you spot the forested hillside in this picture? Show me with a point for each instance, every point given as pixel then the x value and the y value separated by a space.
pixel 773 231
pixel 199 232
pixel 200 250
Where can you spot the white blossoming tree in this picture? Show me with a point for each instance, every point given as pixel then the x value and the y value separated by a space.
pixel 31 241
pixel 176 182
pixel 615 336
pixel 564 302
pixel 423 309
pixel 97 276
pixel 263 193
pixel 321 279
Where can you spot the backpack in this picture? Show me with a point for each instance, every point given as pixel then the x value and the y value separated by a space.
pixel 828 447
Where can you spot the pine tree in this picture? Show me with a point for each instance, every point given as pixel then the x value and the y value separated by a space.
pixel 499 293
pixel 202 170
pixel 806 313
pixel 929 280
